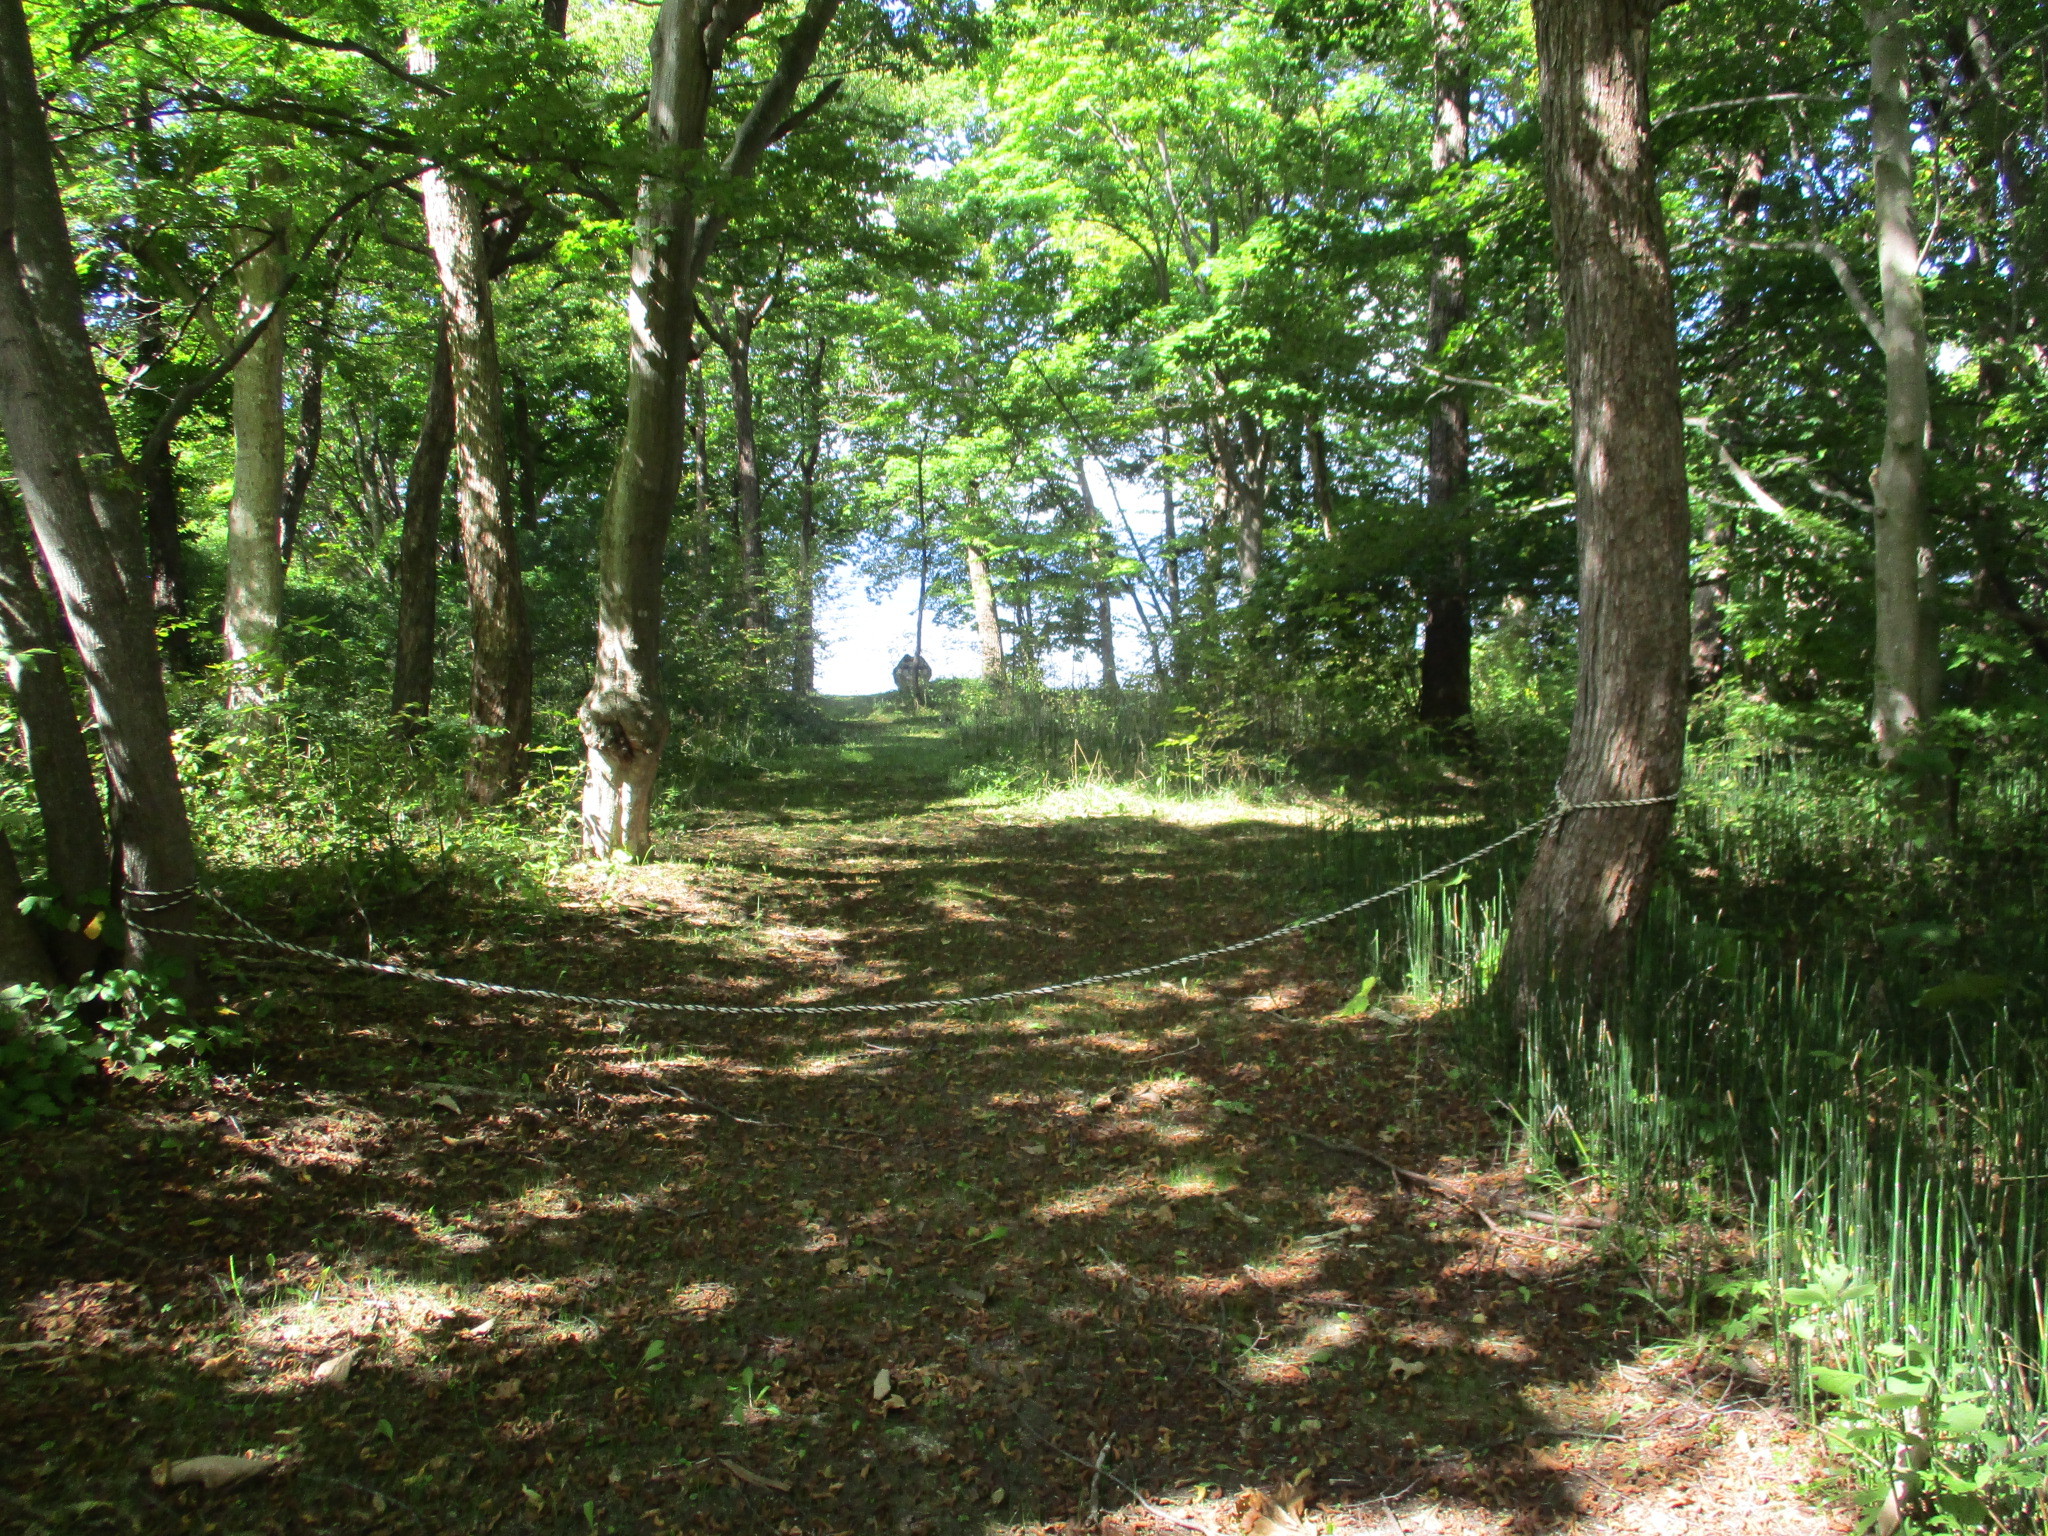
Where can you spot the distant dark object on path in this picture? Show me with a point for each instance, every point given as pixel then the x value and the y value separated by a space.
pixel 911 674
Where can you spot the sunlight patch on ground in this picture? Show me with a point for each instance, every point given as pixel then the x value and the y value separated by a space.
pixel 1096 1200
pixel 704 1298
pixel 1080 802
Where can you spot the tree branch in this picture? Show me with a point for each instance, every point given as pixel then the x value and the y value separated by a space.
pixel 1737 101
pixel 1837 262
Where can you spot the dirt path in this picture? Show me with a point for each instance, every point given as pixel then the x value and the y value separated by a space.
pixel 1033 1270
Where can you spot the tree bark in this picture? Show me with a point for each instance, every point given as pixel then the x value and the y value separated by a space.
pixel 1319 482
pixel 419 547
pixel 624 718
pixel 501 651
pixel 988 625
pixel 254 604
pixel 1445 697
pixel 60 768
pixel 79 492
pixel 1593 871
pixel 525 456
pixel 736 341
pixel 298 479
pixel 24 958
pixel 163 520
pixel 1905 659
pixel 804 669
pixel 1238 453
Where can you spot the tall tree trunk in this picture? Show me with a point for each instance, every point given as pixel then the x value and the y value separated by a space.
pixel 525 456
pixel 1105 552
pixel 624 718
pixel 1238 451
pixel 501 650
pixel 298 479
pixel 1906 660
pixel 254 604
pixel 738 344
pixel 163 519
pixel 60 768
pixel 804 672
pixel 1593 872
pixel 1170 535
pixel 81 502
pixel 419 546
pixel 1319 481
pixel 988 625
pixel 1445 697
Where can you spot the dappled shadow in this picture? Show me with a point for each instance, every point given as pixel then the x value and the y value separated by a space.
pixel 613 1274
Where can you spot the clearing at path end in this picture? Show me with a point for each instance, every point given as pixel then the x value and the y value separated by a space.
pixel 1089 1264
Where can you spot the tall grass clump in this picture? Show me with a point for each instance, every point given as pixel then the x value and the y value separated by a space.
pixel 1831 1043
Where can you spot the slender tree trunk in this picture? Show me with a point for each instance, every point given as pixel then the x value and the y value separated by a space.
pixel 1445 697
pixel 1593 872
pixel 1906 660
pixel 700 440
pixel 162 517
pixel 501 651
pixel 419 546
pixel 739 354
pixel 298 479
pixel 87 519
pixel 1169 533
pixel 60 768
pixel 805 671
pixel 525 456
pixel 1319 482
pixel 254 605
pixel 1105 551
pixel 1237 449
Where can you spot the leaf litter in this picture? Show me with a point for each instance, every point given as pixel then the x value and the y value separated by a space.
pixel 650 1279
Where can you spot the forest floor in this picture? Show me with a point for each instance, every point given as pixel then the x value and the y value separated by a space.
pixel 1084 1265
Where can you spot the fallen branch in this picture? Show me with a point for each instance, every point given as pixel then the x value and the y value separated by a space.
pixel 1440 1187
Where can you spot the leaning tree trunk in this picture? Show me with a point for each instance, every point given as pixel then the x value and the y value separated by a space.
pixel 1593 871
pixel 624 717
pixel 254 604
pixel 81 502
pixel 1906 661
pixel 419 547
pixel 60 768
pixel 500 651
pixel 1446 694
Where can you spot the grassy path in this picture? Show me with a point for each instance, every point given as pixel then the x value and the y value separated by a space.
pixel 971 1273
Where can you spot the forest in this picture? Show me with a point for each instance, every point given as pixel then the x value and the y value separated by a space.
pixel 1464 961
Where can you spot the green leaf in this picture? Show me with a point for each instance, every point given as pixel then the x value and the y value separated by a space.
pixel 1361 999
pixel 1963 1418
pixel 1840 1383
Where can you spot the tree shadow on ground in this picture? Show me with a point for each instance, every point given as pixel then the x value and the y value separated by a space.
pixel 898 1273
